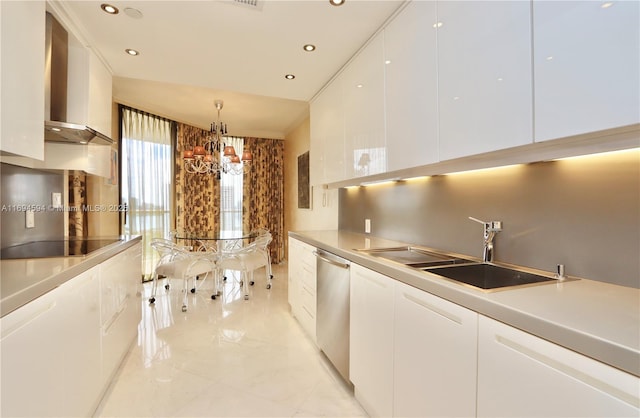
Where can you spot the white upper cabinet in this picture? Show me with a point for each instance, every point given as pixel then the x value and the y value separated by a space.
pixel 22 36
pixel 363 98
pixel 89 85
pixel 326 154
pixel 484 76
pixel 411 87
pixel 586 66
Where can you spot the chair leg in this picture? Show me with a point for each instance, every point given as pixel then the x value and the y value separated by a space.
pixel 185 293
pixel 195 281
pixel 216 284
pixel 269 275
pixel 245 285
pixel 154 288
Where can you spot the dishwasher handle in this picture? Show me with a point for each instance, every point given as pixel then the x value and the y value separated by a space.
pixel 331 261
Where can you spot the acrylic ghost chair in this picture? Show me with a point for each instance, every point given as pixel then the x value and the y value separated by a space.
pixel 180 262
pixel 247 259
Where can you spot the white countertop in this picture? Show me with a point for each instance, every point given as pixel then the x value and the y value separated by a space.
pixel 23 280
pixel 597 319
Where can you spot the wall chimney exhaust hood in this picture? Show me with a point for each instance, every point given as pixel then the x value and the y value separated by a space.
pixel 70 133
pixel 56 128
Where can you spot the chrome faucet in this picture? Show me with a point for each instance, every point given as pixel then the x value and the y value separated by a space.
pixel 490 229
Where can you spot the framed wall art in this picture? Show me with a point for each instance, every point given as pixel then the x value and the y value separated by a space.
pixel 304 188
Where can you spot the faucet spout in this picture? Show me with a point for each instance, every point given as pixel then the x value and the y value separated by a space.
pixel 489 233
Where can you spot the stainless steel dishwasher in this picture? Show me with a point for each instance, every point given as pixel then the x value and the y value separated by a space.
pixel 332 310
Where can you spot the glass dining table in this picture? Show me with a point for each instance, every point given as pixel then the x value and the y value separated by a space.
pixel 218 241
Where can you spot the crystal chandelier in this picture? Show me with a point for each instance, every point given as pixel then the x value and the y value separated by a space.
pixel 206 158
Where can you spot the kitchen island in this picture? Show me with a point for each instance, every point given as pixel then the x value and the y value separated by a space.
pixel 581 328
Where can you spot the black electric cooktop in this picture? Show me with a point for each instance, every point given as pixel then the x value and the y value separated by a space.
pixel 55 248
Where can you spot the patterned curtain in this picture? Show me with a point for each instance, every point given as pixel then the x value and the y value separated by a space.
pixel 197 195
pixel 263 201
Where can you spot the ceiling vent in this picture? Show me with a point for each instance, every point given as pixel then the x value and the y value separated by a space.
pixel 249 4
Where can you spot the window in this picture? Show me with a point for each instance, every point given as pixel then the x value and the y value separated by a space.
pixel 146 161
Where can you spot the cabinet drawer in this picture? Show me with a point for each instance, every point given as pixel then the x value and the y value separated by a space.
pixel 307 256
pixel 308 300
pixel 308 322
pixel 118 334
pixel 308 278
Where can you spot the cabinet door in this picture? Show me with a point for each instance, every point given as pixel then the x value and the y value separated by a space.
pixel 22 101
pixel 523 375
pixel 371 340
pixel 411 87
pixel 33 359
pixel 79 336
pixel 484 76
pixel 363 87
pixel 120 278
pixel 294 276
pixel 90 87
pixel 51 352
pixel 435 363
pixel 308 289
pixel 586 66
pixel 302 285
pixel 326 153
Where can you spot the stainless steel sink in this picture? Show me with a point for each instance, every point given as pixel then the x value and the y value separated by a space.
pixel 489 276
pixel 415 257
pixel 482 276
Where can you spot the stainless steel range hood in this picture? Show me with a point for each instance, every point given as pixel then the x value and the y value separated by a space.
pixel 56 127
pixel 69 133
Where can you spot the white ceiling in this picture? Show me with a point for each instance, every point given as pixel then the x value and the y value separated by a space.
pixel 193 52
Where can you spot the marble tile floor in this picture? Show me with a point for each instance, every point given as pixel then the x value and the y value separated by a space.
pixel 228 357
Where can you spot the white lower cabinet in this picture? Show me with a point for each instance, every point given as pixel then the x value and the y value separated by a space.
pixel 79 335
pixel 120 308
pixel 302 285
pixel 60 350
pixel 434 362
pixel 522 375
pixel 51 352
pixel 293 274
pixel 371 339
pixel 414 354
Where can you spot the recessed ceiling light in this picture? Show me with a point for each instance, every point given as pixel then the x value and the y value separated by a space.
pixel 112 10
pixel 132 52
pixel 606 5
pixel 337 2
pixel 438 25
pixel 309 47
pixel 289 76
